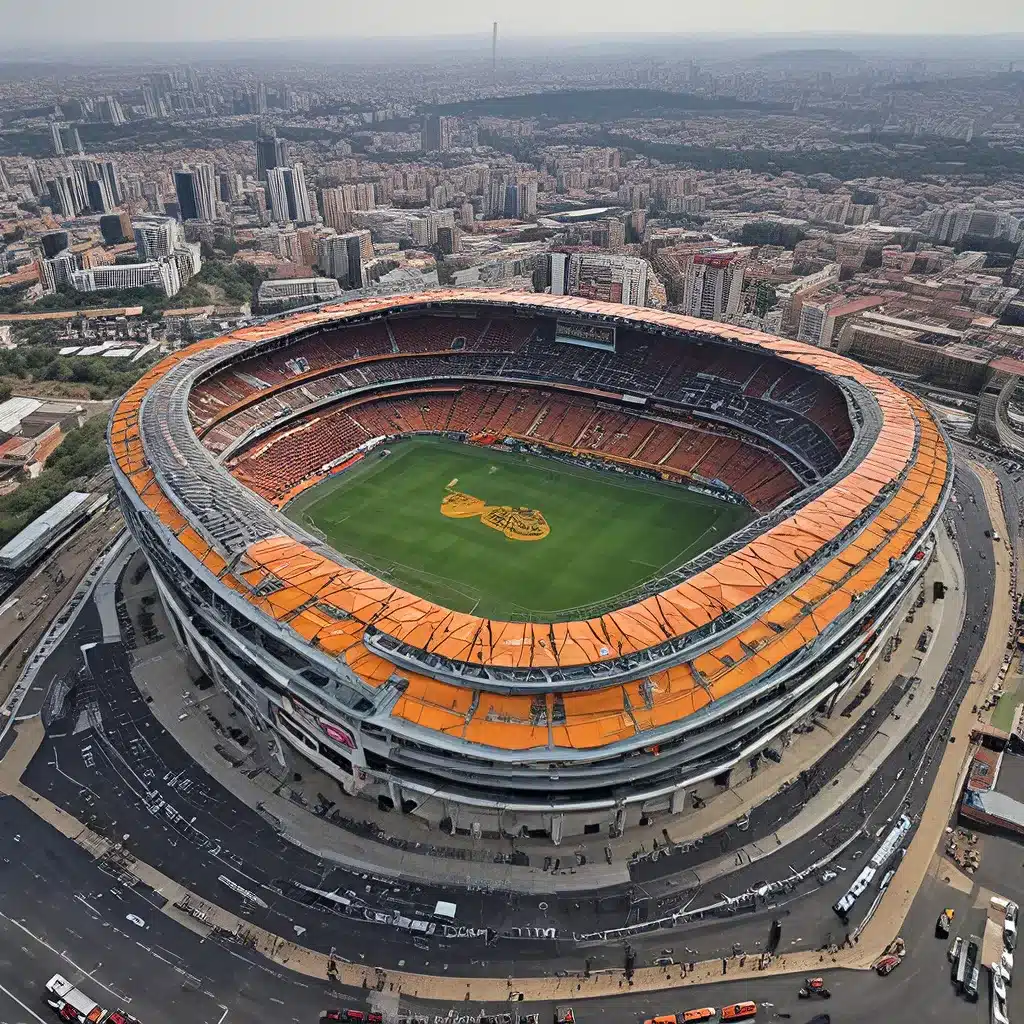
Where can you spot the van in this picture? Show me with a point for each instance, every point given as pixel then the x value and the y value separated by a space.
pixel 739 1011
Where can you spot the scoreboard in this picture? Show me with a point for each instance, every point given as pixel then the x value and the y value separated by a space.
pixel 579 332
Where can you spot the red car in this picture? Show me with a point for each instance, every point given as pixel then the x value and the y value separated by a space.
pixel 888 964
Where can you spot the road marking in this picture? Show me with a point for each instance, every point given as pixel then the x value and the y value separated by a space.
pixel 11 995
pixel 223 1015
pixel 89 974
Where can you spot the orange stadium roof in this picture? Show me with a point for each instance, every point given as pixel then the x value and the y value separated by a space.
pixel 906 470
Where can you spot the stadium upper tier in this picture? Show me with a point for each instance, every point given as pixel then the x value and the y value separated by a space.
pixel 847 472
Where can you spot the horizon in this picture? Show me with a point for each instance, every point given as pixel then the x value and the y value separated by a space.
pixel 217 22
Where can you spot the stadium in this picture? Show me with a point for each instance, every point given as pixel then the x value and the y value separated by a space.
pixel 527 564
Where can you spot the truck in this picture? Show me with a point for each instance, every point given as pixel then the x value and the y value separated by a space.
pixel 75 1007
pixel 71 1003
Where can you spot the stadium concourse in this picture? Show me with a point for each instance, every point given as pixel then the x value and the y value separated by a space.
pixel 584 722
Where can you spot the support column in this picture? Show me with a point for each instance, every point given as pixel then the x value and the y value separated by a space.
pixel 557 824
pixel 677 804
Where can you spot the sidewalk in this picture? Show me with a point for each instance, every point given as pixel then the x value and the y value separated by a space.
pixel 161 674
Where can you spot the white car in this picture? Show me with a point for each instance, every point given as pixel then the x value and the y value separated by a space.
pixel 1006 966
pixel 998 984
pixel 136 920
pixel 1010 927
pixel 999 1012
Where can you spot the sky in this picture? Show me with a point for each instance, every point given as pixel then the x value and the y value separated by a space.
pixel 74 21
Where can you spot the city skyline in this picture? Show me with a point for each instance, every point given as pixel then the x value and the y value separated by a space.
pixel 228 21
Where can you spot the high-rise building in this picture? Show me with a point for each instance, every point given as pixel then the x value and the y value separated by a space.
pixel 109 109
pixel 116 228
pixel 186 187
pixel 155 237
pixel 289 198
pixel 270 152
pixel 436 133
pixel 342 257
pixel 67 198
pixel 53 243
pixel 713 285
pixel 58 272
pixel 599 276
pixel 197 192
pixel 207 190
pixel 5 184
pixel 448 238
pixel 66 139
pixel 99 181
pixel 99 197
pixel 345 199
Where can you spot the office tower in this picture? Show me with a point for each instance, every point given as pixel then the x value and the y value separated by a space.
pixel 109 109
pixel 99 197
pixel 270 152
pixel 155 237
pixel 65 139
pixel 53 243
pixel 186 189
pixel 436 133
pixel 108 172
pixel 116 228
pixel 66 195
pixel 289 199
pixel 196 191
pixel 99 182
pixel 494 49
pixel 5 184
pixel 342 257
pixel 35 179
pixel 207 191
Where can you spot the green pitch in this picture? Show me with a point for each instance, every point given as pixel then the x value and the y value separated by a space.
pixel 608 532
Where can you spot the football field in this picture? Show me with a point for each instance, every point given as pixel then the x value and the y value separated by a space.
pixel 503 534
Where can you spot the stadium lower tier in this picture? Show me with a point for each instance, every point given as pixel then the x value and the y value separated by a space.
pixel 307 451
pixel 602 791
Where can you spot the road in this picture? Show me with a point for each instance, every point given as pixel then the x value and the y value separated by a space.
pixel 62 914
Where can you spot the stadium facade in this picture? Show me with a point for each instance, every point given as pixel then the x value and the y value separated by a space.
pixel 589 721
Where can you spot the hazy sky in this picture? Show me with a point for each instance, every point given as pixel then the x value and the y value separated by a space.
pixel 68 21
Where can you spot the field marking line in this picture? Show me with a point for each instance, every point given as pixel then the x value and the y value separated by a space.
pixel 10 995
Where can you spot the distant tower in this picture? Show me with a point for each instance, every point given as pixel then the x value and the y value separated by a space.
pixel 494 50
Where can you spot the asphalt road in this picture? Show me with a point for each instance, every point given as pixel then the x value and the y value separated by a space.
pixel 115 777
pixel 61 913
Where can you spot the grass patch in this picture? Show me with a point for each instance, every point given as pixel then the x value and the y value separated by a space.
pixel 608 532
